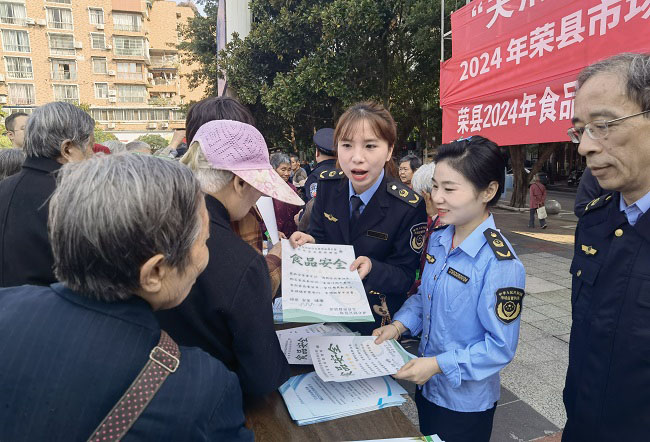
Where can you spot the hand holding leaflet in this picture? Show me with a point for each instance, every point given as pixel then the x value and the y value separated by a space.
pixel 346 358
pixel 294 341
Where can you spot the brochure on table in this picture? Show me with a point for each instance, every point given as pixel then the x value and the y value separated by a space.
pixel 310 400
pixel 433 438
pixel 346 358
pixel 294 341
pixel 317 285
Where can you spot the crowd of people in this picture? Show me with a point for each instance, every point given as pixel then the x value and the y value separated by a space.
pixel 138 291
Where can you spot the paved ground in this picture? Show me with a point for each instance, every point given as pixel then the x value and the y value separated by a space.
pixel 531 406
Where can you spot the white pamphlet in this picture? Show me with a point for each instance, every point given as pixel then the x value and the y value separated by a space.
pixel 265 206
pixel 318 286
pixel 346 358
pixel 294 340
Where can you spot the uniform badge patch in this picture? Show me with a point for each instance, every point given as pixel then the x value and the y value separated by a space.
pixel 431 259
pixel 508 305
pixel 459 276
pixel 418 233
pixel 313 187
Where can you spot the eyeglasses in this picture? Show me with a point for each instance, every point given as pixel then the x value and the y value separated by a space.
pixel 597 130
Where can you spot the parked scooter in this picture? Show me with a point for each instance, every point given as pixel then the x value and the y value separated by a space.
pixel 574 177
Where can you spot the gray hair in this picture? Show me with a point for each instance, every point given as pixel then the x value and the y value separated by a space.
pixel 279 158
pixel 634 70
pixel 137 145
pixel 422 180
pixel 115 146
pixel 111 213
pixel 211 180
pixel 414 162
pixel 11 161
pixel 52 124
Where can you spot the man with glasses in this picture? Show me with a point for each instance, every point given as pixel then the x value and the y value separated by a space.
pixel 607 392
pixel 15 125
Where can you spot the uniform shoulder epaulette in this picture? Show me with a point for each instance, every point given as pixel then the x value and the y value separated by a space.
pixel 598 202
pixel 402 192
pixel 331 174
pixel 498 245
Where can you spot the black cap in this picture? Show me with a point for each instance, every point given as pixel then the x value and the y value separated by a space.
pixel 324 140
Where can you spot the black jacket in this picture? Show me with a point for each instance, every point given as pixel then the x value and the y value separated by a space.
pixel 390 231
pixel 25 252
pixel 311 185
pixel 228 312
pixel 67 359
pixel 607 392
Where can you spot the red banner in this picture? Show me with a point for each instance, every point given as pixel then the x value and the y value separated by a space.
pixel 512 74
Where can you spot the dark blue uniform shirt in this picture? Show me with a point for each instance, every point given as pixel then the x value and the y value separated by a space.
pixel 390 231
pixel 607 392
pixel 67 359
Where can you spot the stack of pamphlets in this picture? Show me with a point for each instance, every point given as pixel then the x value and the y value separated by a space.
pixel 433 438
pixel 310 400
pixel 295 341
pixel 277 311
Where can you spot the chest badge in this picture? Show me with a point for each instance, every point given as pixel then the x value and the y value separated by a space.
pixel 589 250
pixel 330 217
pixel 431 259
pixel 459 276
pixel 378 235
pixel 508 305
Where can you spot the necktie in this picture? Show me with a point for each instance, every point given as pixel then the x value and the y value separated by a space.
pixel 355 203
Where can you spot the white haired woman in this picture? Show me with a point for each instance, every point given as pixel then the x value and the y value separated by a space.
pixel 128 235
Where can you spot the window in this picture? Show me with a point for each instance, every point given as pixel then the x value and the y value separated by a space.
pixel 64 70
pixel 12 13
pixel 99 66
pixel 101 90
pixel 96 16
pixel 58 18
pixel 61 44
pixel 21 94
pixel 164 78
pixel 66 2
pixel 97 40
pixel 15 41
pixel 19 67
pixel 127 22
pixel 66 92
pixel 129 46
pixel 129 71
pixel 131 93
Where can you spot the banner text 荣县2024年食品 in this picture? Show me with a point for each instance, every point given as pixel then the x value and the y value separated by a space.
pixel 514 63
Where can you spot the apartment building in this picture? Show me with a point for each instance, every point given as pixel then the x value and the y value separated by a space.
pixel 117 56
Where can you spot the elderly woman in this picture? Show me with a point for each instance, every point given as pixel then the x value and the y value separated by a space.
pixel 422 183
pixel 228 312
pixel 408 165
pixel 57 133
pixel 138 146
pixel 284 213
pixel 128 235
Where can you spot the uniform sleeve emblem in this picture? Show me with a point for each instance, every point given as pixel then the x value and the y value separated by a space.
pixel 418 233
pixel 508 305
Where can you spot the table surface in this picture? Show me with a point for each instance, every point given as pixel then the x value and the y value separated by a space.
pixel 270 420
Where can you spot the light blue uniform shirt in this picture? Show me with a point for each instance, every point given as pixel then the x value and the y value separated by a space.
pixel 635 210
pixel 459 322
pixel 367 195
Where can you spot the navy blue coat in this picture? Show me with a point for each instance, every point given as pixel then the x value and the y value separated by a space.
pixel 390 231
pixel 67 359
pixel 607 392
pixel 25 252
pixel 311 185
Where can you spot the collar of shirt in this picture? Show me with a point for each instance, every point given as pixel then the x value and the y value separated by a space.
pixel 473 243
pixel 635 210
pixel 367 195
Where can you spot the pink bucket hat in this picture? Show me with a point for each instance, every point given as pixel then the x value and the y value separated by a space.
pixel 241 149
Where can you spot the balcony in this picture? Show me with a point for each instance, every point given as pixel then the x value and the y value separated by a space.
pixel 64 75
pixel 164 61
pixel 126 27
pixel 133 76
pixel 20 74
pixel 22 101
pixel 59 25
pixel 17 48
pixel 20 21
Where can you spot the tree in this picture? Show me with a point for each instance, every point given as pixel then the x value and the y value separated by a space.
pixel 521 179
pixel 101 135
pixel 4 140
pixel 305 61
pixel 155 141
